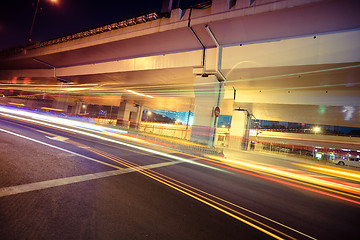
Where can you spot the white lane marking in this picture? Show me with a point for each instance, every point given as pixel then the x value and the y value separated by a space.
pixel 62 149
pixel 7 191
pixel 58 138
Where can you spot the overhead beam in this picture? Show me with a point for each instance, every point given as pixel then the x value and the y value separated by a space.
pixel 337 47
pixel 333 97
pixel 173 60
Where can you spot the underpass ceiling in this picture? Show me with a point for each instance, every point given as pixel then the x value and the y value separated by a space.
pixel 295 77
pixel 178 82
pixel 143 80
pixel 322 77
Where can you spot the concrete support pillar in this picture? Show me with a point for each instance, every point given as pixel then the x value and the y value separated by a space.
pixel 140 113
pixel 135 116
pixel 123 116
pixel 61 103
pixel 78 108
pixel 209 93
pixel 239 130
pixel 129 114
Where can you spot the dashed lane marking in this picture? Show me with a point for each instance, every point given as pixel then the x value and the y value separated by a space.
pixel 7 191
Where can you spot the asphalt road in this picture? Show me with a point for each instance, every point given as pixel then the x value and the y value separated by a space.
pixel 63 182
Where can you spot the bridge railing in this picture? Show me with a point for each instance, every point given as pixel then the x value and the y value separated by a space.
pixel 94 31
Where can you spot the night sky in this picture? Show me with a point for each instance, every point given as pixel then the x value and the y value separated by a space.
pixel 64 17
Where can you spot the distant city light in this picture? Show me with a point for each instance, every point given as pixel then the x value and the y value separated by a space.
pixel 317 129
pixel 318 155
pixel 191 119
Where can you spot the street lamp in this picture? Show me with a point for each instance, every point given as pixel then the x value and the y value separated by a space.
pixel 148 115
pixel 33 21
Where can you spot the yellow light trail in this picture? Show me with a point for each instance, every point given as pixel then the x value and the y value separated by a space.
pixel 346 174
pixel 300 178
pixel 140 94
pixel 53 109
pixel 17 104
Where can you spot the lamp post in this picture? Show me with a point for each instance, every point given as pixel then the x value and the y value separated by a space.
pixel 33 21
pixel 244 143
pixel 148 115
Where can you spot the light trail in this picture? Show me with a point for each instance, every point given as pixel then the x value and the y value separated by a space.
pixel 140 94
pixel 63 121
pixel 293 185
pixel 346 174
pixel 336 185
pixel 296 175
pixel 299 178
pixel 59 148
pixel 97 136
pixel 273 171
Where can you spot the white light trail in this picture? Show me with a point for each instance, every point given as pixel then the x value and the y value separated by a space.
pixel 140 94
pixel 81 124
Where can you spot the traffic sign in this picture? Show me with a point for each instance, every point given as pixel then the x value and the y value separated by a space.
pixel 217 112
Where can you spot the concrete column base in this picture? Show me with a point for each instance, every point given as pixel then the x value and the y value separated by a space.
pixel 209 93
pixel 239 130
pixel 129 115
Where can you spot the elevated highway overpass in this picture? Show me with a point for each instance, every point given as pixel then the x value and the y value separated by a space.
pixel 286 60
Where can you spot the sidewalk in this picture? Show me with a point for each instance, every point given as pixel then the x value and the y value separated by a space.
pixel 178 144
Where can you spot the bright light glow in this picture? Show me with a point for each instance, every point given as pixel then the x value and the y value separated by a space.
pixel 191 120
pixel 349 112
pixel 74 89
pixel 149 113
pixel 317 129
pixel 140 94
